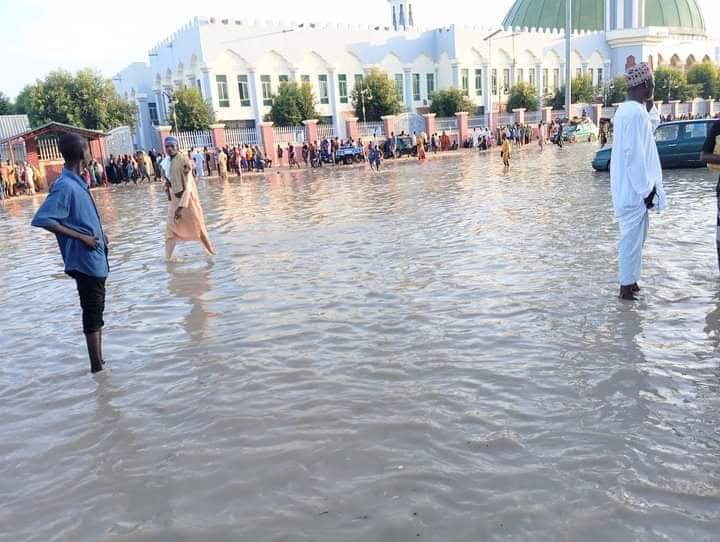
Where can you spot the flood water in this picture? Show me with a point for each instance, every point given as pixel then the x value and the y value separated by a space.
pixel 432 353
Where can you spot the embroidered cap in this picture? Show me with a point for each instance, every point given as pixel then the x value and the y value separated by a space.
pixel 171 140
pixel 639 73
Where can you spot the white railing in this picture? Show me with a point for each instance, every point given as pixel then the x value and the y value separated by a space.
pixel 19 154
pixel 371 129
pixel 446 124
pixel 326 131
pixel 241 136
pixel 48 147
pixel 288 134
pixel 478 121
pixel 194 138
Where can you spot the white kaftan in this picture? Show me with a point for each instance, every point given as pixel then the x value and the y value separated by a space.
pixel 634 170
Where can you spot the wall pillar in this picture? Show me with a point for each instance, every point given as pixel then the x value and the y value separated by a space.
pixel 429 123
pixel 710 107
pixel 692 107
pixel 520 115
pixel 658 106
pixel 462 124
pixel 597 110
pixel 218 135
pixel 538 83
pixel 388 124
pixel 268 140
pixel 163 131
pixel 547 115
pixel 351 128
pixel 675 108
pixel 311 131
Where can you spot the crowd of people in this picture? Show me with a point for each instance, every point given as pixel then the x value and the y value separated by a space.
pixel 18 179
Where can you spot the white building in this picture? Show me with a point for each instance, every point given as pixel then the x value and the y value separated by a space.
pixel 238 65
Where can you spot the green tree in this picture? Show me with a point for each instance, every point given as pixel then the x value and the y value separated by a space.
pixel 85 99
pixel 376 95
pixel 671 84
pixel 617 92
pixel 706 76
pixel 522 95
pixel 6 106
pixel 293 104
pixel 447 102
pixel 22 102
pixel 191 111
pixel 583 91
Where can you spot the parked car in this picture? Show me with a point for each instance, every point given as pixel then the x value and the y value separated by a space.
pixel 349 154
pixel 679 145
pixel 582 130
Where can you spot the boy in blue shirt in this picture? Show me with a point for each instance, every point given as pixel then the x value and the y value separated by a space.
pixel 70 213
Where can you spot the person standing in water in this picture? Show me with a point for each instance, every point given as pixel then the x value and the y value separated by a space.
pixel 506 151
pixel 70 213
pixel 635 175
pixel 185 220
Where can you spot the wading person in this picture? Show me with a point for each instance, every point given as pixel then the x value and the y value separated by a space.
pixel 506 151
pixel 635 176
pixel 70 213
pixel 711 155
pixel 185 220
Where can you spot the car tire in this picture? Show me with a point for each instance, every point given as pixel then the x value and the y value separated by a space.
pixel 347 160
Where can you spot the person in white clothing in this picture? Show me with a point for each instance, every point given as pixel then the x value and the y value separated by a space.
pixel 635 175
pixel 30 178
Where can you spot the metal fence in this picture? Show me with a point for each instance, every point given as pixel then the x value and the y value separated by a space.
pixel 478 121
pixel 533 117
pixel 119 141
pixel 288 134
pixel 503 119
pixel 326 131
pixel 446 124
pixel 371 129
pixel 241 136
pixel 194 138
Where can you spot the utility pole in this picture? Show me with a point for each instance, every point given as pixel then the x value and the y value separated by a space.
pixel 568 67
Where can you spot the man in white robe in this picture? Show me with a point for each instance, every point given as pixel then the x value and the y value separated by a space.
pixel 635 175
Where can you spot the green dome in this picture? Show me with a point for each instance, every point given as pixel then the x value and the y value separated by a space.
pixel 681 15
pixel 587 14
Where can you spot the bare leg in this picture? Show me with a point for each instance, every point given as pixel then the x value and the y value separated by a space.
pixel 93 345
pixel 169 248
pixel 207 244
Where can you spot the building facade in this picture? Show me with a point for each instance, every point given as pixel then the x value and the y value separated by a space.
pixel 238 65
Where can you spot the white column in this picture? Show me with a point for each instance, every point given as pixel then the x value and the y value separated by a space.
pixel 513 74
pixel 334 99
pixel 295 74
pixel 166 104
pixel 455 74
pixel 190 80
pixel 143 120
pixel 585 67
pixel 607 15
pixel 487 88
pixel 562 75
pixel 407 75
pixel 160 104
pixel 256 98
pixel 538 83
pixel 620 9
pixel 208 91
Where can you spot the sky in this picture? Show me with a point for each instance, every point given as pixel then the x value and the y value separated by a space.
pixel 41 35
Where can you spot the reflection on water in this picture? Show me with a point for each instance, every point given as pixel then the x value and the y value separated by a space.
pixel 434 350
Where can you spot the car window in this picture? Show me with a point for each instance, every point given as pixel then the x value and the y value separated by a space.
pixel 695 130
pixel 667 133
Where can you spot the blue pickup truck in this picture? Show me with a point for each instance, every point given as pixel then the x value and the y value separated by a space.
pixel 349 154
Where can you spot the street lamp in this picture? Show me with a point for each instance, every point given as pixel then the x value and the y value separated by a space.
pixel 568 68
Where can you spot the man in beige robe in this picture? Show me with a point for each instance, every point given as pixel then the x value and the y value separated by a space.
pixel 185 220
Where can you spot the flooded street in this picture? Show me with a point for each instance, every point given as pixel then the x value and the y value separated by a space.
pixel 432 353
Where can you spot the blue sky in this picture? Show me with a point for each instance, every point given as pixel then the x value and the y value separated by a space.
pixel 38 36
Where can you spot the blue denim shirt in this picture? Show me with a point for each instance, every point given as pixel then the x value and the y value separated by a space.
pixel 71 205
